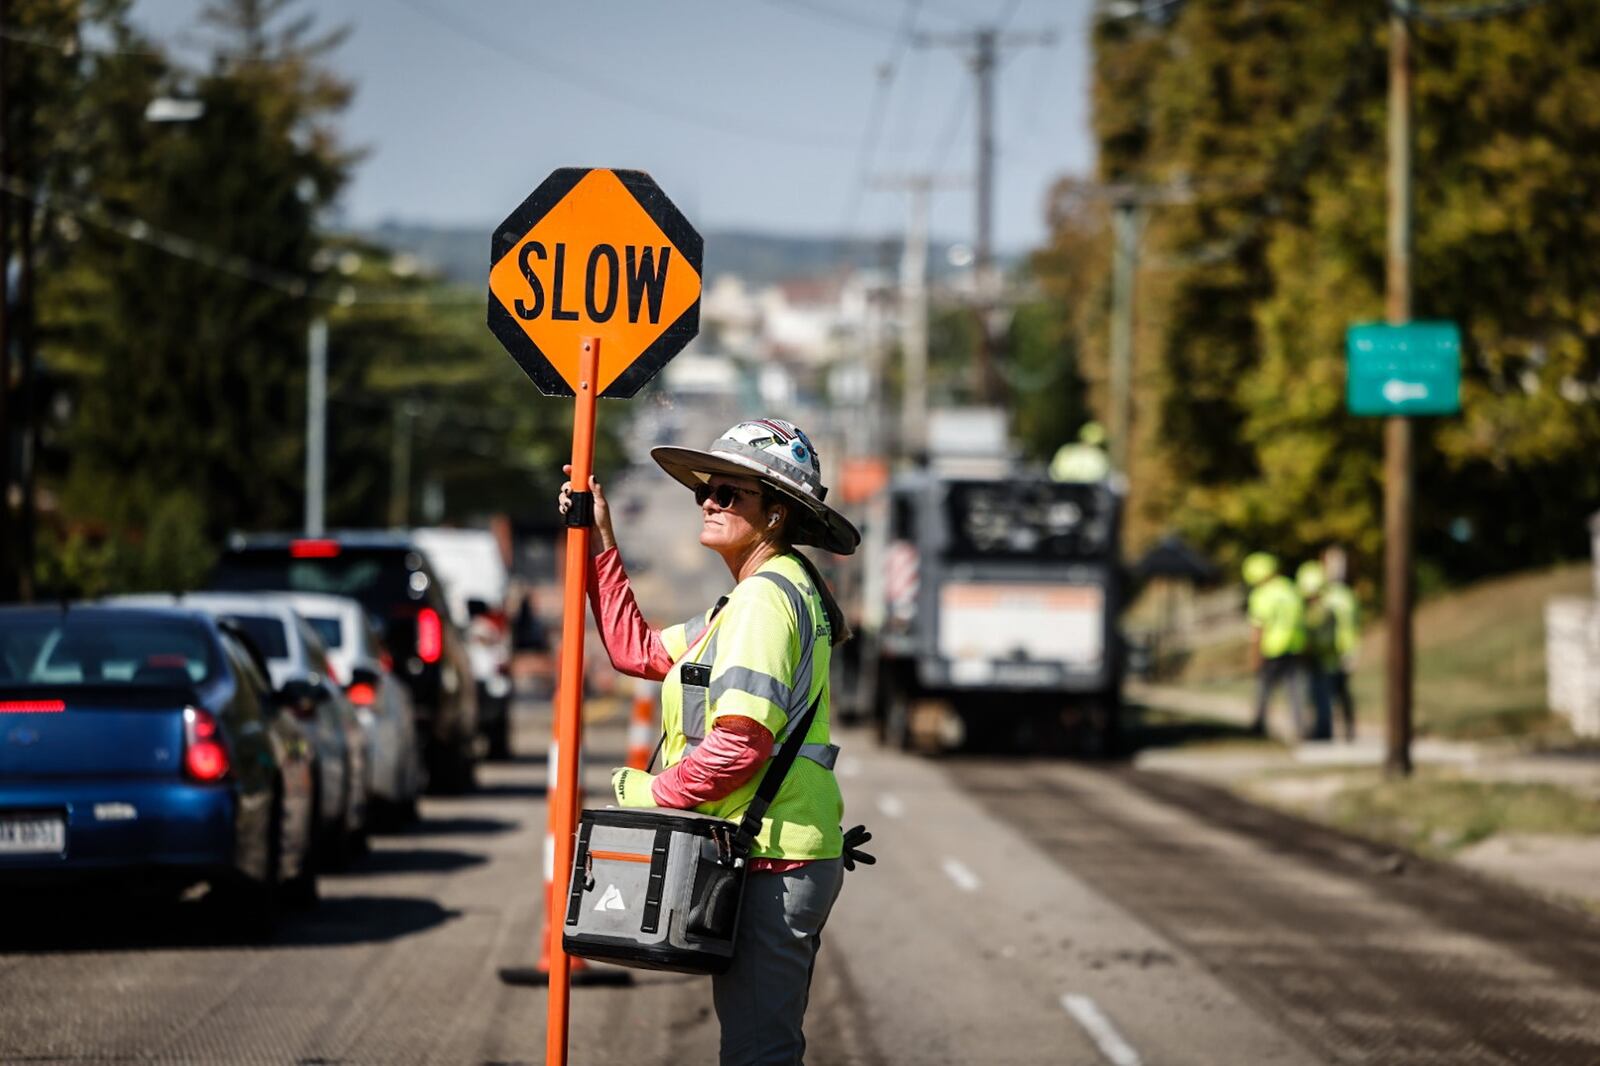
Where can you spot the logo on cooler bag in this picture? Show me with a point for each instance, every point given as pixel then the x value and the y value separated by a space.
pixel 611 900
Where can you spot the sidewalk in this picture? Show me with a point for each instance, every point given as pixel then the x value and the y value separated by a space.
pixel 1305 774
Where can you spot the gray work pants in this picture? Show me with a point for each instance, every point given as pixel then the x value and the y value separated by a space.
pixel 761 1000
pixel 1282 671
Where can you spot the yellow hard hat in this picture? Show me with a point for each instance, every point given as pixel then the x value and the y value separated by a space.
pixel 1258 566
pixel 1092 433
pixel 1310 578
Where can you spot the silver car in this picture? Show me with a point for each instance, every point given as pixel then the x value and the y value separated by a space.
pixel 382 701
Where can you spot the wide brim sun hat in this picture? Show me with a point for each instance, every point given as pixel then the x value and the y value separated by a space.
pixel 782 458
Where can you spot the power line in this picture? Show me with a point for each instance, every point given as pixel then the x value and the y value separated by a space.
pixel 955 121
pixel 1007 13
pixel 588 81
pixel 72 46
pixel 1443 16
pixel 853 19
pixel 295 286
pixel 877 111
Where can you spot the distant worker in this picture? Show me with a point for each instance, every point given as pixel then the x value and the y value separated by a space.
pixel 1084 460
pixel 1277 639
pixel 732 679
pixel 1322 655
pixel 1340 600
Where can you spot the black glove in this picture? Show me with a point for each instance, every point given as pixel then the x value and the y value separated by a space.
pixel 853 839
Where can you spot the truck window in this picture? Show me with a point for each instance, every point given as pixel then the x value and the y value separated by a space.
pixel 1027 520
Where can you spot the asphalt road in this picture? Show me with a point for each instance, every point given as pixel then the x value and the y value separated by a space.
pixel 1022 911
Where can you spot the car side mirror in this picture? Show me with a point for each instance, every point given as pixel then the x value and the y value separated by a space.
pixel 299 697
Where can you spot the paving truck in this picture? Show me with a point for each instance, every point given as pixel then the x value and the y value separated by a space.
pixel 988 612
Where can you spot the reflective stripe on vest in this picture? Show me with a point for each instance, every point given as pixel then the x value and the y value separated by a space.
pixel 765 686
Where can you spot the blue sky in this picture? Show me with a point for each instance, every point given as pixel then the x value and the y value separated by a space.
pixel 749 113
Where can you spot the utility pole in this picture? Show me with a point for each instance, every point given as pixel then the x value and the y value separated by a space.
pixel 914 308
pixel 400 466
pixel 1127 225
pixel 1397 474
pixel 316 423
pixel 1130 204
pixel 983 46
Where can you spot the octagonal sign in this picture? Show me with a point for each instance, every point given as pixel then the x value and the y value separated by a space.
pixel 595 253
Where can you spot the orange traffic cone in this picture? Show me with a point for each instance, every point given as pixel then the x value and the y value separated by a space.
pixel 642 728
pixel 579 970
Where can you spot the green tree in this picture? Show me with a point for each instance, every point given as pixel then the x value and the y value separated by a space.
pixel 184 332
pixel 1274 113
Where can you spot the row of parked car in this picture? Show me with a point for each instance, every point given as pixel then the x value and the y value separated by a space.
pixel 248 736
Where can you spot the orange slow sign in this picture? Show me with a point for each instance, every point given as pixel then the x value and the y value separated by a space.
pixel 595 253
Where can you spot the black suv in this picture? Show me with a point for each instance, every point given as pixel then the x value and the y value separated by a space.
pixel 392 579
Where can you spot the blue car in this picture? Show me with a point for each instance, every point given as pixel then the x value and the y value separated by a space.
pixel 146 746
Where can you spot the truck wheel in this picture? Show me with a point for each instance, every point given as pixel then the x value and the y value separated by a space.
pixel 1104 728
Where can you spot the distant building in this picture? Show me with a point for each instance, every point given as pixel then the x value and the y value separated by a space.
pixel 805 322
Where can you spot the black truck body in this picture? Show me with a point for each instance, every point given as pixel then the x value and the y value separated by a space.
pixel 998 597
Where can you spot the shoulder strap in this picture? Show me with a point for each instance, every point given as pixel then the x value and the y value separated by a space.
pixel 772 780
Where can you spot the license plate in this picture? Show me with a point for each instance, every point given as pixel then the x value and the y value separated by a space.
pixel 32 834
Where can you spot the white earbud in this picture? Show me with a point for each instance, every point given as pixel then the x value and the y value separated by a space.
pixel 772 520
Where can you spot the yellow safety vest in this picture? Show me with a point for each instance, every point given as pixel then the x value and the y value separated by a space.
pixel 1341 601
pixel 1277 610
pixel 763 653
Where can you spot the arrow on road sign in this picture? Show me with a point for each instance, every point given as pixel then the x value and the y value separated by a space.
pixel 1397 391
pixel 595 253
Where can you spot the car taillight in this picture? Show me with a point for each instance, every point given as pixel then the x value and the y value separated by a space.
pixel 313 549
pixel 362 694
pixel 430 635
pixel 204 757
pixel 32 706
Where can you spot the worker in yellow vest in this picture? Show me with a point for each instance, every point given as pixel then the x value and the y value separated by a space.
pixel 1321 655
pixel 1277 638
pixel 1340 601
pixel 735 679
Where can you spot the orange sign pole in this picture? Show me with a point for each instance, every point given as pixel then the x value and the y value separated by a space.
pixel 562 794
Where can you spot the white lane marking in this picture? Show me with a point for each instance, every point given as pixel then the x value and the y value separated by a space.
pixel 1088 1014
pixel 957 871
pixel 890 805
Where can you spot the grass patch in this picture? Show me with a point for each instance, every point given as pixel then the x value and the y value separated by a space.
pixel 1480 660
pixel 1434 812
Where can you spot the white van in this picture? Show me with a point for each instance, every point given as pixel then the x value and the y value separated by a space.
pixel 469 565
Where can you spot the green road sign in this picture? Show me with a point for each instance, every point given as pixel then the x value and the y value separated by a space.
pixel 1414 369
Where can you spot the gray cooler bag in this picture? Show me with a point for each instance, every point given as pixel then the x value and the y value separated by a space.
pixel 657 890
pixel 660 890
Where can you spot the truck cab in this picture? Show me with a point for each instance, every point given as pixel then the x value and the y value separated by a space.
pixel 996 595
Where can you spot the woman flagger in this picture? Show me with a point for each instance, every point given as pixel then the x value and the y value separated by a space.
pixel 733 678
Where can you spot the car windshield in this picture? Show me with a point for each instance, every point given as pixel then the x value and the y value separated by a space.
pixel 378 577
pixel 269 633
pixel 327 629
pixel 63 649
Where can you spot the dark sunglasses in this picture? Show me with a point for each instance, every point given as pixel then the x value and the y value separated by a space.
pixel 724 494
